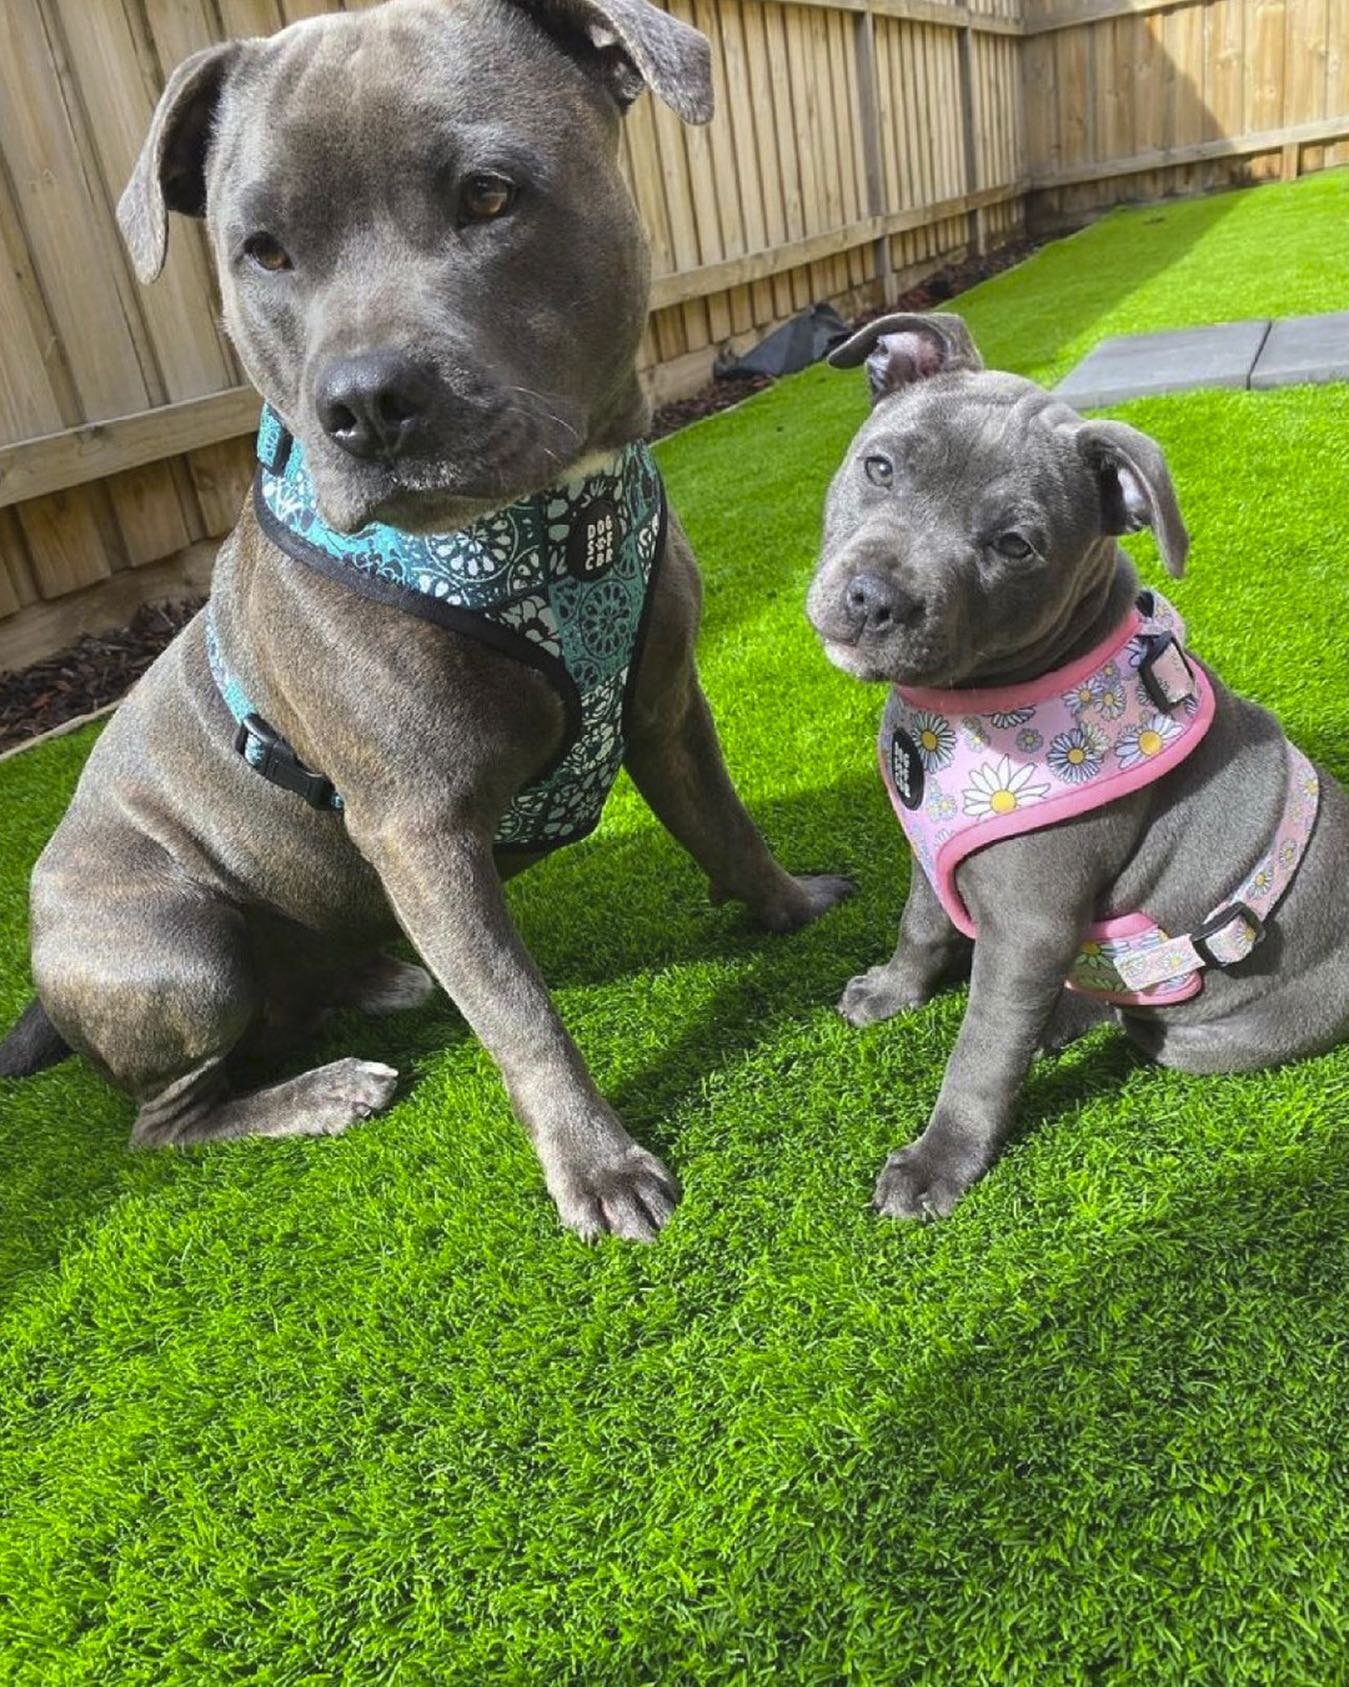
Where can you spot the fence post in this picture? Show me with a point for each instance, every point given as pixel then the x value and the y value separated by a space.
pixel 869 121
pixel 968 123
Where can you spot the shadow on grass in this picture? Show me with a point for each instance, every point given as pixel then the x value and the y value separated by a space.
pixel 612 910
pixel 1225 1304
pixel 616 910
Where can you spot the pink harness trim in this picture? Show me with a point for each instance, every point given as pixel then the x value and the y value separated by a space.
pixel 966 769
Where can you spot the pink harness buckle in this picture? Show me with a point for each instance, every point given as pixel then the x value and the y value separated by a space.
pixel 1234 928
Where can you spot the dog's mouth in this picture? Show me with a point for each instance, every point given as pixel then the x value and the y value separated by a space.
pixel 850 657
pixel 452 482
pixel 889 663
pixel 410 509
pixel 892 643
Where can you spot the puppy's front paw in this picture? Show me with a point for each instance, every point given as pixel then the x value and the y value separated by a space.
pixel 617 1189
pixel 877 995
pixel 804 900
pixel 922 1182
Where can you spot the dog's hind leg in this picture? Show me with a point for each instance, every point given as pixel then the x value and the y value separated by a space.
pixel 157 981
pixel 1073 1016
pixel 297 1000
pixel 199 1108
pixel 386 985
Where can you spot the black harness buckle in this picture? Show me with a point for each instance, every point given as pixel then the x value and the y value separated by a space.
pixel 268 753
pixel 1165 647
pixel 1218 922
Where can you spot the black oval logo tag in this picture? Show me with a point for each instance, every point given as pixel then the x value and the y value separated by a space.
pixel 906 768
pixel 593 543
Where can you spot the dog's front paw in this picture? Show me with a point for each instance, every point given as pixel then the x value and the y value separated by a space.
pixel 617 1190
pixel 879 994
pixel 922 1181
pixel 804 899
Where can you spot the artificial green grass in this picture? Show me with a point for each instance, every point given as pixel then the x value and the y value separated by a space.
pixel 358 1411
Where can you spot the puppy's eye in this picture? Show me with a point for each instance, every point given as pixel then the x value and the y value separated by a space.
pixel 485 196
pixel 880 471
pixel 1014 546
pixel 264 252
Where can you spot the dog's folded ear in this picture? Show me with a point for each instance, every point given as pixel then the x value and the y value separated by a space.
pixel 907 347
pixel 1136 487
pixel 637 46
pixel 170 174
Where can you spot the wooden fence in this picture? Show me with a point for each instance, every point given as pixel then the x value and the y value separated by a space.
pixel 1135 99
pixel 858 145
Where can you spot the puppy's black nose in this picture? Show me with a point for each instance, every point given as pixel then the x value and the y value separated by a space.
pixel 373 405
pixel 880 604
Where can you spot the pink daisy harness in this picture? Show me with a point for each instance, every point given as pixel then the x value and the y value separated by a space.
pixel 967 768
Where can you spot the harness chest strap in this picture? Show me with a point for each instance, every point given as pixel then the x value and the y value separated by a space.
pixel 1234 928
pixel 967 768
pixel 559 580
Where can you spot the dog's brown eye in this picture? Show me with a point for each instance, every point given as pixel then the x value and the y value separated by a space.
pixel 880 471
pixel 1014 546
pixel 266 253
pixel 485 196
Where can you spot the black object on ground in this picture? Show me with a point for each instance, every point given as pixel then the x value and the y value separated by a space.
pixel 796 345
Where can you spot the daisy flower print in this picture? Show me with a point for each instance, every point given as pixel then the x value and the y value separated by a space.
pixel 1139 744
pixel 1082 696
pixel 1004 719
pixel 1111 697
pixel 999 788
pixel 1076 756
pixel 935 740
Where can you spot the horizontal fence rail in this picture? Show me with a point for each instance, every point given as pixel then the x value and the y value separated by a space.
pixel 858 145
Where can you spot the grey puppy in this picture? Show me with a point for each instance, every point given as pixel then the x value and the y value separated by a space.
pixel 969 541
pixel 433 269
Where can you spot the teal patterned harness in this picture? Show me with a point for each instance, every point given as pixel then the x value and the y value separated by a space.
pixel 560 580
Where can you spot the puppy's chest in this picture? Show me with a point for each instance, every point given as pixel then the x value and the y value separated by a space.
pixel 967 768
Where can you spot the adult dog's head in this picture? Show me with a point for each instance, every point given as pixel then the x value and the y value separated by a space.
pixel 972 523
pixel 429 260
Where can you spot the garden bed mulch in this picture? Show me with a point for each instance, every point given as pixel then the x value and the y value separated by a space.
pixel 101 668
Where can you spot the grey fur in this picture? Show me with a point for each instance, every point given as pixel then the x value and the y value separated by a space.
pixel 184 905
pixel 32 1044
pixel 974 455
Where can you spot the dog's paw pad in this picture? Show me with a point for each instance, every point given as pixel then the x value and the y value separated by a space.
pixel 805 899
pixel 875 996
pixel 339 1096
pixel 915 1185
pixel 393 987
pixel 630 1195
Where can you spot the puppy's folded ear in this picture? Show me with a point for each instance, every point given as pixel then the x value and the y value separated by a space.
pixel 636 46
pixel 901 349
pixel 1136 487
pixel 170 174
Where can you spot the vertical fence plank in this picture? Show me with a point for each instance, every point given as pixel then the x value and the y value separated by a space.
pixel 869 133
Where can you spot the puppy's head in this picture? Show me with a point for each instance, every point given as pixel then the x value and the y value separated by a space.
pixel 429 260
pixel 974 514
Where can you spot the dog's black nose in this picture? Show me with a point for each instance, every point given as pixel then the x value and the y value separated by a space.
pixel 373 405
pixel 880 604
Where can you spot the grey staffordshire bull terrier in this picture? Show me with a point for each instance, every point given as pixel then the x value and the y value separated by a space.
pixel 969 542
pixel 431 266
